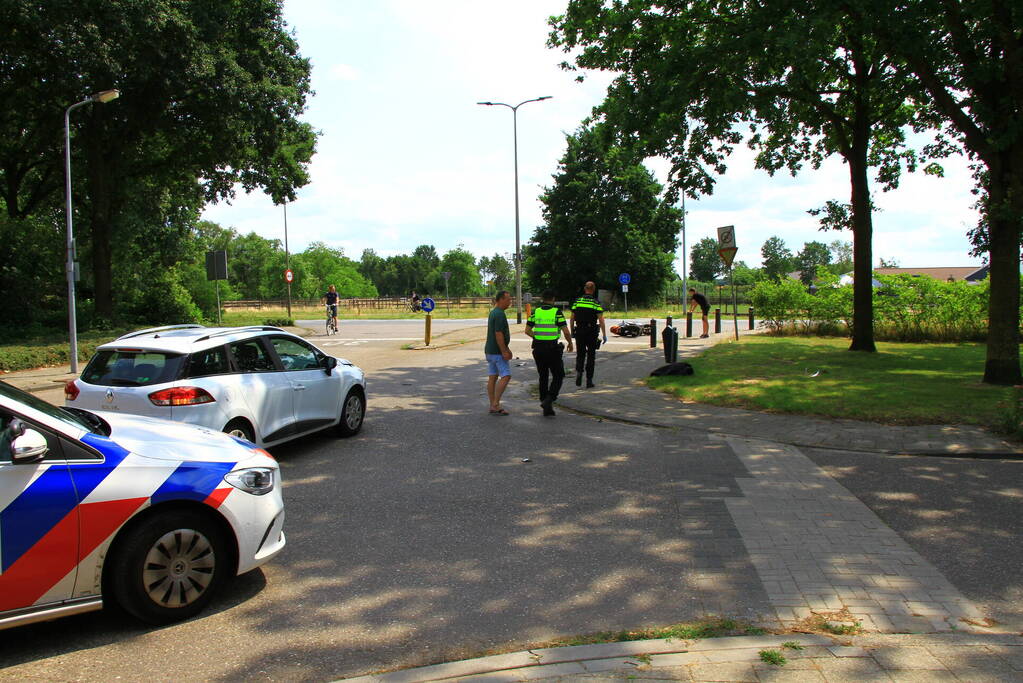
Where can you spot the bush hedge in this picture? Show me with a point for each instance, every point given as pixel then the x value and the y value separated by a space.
pixel 906 308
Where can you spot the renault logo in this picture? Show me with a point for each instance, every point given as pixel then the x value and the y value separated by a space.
pixel 110 395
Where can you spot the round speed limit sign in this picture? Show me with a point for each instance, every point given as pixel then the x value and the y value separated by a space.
pixel 289 276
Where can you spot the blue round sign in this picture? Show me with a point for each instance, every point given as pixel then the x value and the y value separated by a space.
pixel 428 304
pixel 624 278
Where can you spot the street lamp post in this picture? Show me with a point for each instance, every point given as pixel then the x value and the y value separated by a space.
pixel 72 323
pixel 518 251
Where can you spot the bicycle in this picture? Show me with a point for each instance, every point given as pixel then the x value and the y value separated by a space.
pixel 331 320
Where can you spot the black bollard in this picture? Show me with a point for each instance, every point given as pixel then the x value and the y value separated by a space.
pixel 689 324
pixel 666 339
pixel 717 320
pixel 653 333
pixel 751 317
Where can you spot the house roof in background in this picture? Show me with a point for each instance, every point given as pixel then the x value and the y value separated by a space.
pixel 945 273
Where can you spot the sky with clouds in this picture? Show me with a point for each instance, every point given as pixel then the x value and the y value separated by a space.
pixel 406 156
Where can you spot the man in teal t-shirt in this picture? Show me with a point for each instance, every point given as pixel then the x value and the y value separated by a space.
pixel 497 352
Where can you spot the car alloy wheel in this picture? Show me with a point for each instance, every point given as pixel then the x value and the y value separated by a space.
pixel 179 568
pixel 168 567
pixel 353 413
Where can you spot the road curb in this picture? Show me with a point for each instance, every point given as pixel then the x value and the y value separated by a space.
pixel 549 662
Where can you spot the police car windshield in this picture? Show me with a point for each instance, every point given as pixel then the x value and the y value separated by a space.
pixel 48 409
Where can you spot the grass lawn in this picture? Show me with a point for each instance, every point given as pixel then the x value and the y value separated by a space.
pixel 900 384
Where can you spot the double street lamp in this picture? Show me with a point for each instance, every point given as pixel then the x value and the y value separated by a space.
pixel 518 252
pixel 103 97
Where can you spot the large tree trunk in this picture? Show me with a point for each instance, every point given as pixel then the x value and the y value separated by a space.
pixel 101 220
pixel 863 235
pixel 1005 214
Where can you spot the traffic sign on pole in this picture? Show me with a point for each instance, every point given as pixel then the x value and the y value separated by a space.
pixel 624 278
pixel 727 255
pixel 726 237
pixel 427 304
pixel 289 276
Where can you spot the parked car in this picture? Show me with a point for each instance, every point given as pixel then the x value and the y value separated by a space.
pixel 148 514
pixel 261 384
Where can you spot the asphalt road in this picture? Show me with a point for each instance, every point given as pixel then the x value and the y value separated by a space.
pixel 427 537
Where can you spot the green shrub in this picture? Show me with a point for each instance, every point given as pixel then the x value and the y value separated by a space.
pixel 906 308
pixel 279 322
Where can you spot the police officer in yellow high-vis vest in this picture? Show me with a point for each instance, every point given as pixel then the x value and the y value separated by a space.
pixel 545 325
pixel 587 325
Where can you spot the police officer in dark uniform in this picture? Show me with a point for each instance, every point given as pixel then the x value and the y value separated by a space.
pixel 587 323
pixel 545 326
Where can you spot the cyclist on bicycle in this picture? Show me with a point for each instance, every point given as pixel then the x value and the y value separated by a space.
pixel 330 299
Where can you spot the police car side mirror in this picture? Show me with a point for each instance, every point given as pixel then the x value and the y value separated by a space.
pixel 27 445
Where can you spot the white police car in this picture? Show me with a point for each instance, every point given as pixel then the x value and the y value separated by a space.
pixel 150 514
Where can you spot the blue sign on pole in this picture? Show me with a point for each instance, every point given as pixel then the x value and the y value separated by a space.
pixel 624 278
pixel 428 304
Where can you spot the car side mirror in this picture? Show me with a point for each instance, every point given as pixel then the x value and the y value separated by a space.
pixel 329 363
pixel 26 445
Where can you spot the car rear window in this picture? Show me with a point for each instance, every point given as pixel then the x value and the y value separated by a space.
pixel 131 368
pixel 209 362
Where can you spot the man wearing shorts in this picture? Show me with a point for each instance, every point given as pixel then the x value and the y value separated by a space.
pixel 497 352
pixel 700 300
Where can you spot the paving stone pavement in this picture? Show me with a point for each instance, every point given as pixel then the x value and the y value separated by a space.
pixel 818 550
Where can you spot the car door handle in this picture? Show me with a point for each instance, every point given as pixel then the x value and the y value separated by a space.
pixel 299 387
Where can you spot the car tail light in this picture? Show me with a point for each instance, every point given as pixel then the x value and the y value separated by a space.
pixel 71 390
pixel 181 396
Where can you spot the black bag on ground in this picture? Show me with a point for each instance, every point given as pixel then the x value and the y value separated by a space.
pixel 680 368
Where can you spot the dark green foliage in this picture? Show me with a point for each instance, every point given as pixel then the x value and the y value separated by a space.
pixel 603 216
pixel 813 256
pixel 211 94
pixel 965 57
pixel 705 263
pixel 907 309
pixel 498 271
pixel 777 258
pixel 465 275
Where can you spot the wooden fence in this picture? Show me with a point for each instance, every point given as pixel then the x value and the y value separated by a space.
pixel 379 303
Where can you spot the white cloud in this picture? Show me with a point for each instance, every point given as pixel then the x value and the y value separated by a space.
pixel 407 156
pixel 344 72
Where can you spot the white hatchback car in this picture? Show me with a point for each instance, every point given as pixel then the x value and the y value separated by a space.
pixel 261 384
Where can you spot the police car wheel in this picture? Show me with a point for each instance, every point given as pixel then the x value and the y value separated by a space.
pixel 353 413
pixel 169 567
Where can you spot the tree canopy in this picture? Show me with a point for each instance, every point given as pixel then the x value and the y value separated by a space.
pixel 812 256
pixel 705 263
pixel 603 216
pixel 803 78
pixel 965 56
pixel 210 98
pixel 777 258
pixel 809 79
